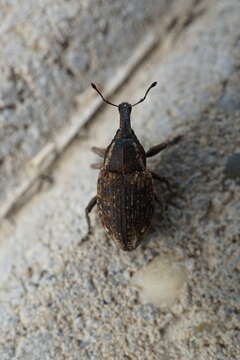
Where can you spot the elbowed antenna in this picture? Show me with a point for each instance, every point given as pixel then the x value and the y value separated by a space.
pixel 106 101
pixel 150 87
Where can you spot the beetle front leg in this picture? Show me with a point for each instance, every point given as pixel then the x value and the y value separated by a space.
pixel 162 179
pixel 99 151
pixel 158 148
pixel 88 209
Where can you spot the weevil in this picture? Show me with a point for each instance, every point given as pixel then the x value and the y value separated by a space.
pixel 125 192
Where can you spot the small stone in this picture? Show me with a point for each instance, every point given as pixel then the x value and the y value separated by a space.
pixel 161 281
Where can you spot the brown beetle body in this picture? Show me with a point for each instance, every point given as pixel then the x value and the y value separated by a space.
pixel 125 195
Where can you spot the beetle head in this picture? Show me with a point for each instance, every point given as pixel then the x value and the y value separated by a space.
pixel 125 108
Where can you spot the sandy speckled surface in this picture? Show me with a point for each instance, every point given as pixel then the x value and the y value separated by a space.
pixel 61 298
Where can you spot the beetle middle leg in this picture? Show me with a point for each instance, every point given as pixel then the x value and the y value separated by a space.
pixel 170 199
pixel 164 180
pixel 158 148
pixel 99 151
pixel 88 209
pixel 160 202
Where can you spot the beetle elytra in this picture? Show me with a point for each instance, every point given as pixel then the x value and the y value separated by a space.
pixel 125 193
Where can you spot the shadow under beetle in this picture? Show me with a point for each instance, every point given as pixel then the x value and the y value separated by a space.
pixel 125 194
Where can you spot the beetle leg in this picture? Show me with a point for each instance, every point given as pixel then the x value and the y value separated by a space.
pixel 156 198
pixel 174 204
pixel 88 209
pixel 172 193
pixel 96 165
pixel 162 179
pixel 157 148
pixel 99 151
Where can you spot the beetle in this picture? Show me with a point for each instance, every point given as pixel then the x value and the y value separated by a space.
pixel 125 193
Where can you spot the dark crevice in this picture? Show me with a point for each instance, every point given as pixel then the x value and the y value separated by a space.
pixel 8 107
pixel 21 85
pixel 192 17
pixel 172 24
pixel 64 44
pixel 70 72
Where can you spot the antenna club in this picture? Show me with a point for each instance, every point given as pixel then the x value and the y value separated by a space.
pixel 142 99
pixel 106 101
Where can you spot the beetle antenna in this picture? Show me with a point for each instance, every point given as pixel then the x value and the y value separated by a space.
pixel 141 100
pixel 106 101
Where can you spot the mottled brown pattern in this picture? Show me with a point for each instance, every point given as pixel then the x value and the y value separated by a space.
pixel 125 205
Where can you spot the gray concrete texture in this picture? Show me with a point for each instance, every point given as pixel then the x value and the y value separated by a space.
pixel 65 298
pixel 50 52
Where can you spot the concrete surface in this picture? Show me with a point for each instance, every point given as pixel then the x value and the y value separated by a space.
pixel 62 298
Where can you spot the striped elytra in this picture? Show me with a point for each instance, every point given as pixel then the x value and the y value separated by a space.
pixel 125 205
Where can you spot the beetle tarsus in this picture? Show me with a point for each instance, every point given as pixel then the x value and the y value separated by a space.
pixel 88 209
pixel 174 204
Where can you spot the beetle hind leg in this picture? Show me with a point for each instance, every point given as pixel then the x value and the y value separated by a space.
pixel 88 209
pixel 160 202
